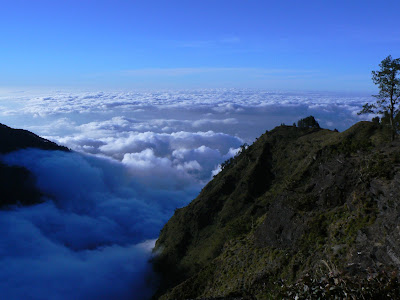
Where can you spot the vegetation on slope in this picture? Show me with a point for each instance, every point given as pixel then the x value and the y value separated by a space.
pixel 294 202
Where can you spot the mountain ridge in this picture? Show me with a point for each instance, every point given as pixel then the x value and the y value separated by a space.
pixel 17 184
pixel 293 199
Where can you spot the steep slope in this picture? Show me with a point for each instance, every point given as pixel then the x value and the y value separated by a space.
pixel 17 184
pixel 296 201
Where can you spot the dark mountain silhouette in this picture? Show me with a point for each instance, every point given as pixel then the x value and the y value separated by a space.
pixel 17 184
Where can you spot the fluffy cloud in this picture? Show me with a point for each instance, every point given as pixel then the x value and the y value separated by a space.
pixel 98 122
pixel 86 240
pixel 188 107
pixel 168 151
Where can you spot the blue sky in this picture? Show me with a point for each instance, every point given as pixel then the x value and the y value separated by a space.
pixel 290 45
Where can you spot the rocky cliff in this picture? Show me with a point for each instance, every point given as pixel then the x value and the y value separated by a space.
pixel 17 184
pixel 298 203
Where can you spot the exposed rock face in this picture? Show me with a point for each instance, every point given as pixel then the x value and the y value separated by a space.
pixel 297 201
pixel 17 184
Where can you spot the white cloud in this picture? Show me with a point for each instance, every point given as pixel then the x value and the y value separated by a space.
pixel 204 122
pixel 106 105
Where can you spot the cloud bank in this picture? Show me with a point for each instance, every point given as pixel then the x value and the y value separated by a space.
pixel 91 238
pixel 91 121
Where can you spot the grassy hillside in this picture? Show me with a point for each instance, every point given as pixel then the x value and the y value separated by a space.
pixel 296 202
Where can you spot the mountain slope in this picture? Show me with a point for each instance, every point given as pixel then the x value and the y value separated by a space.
pixel 296 201
pixel 17 184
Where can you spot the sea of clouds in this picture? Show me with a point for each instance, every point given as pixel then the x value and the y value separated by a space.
pixel 137 157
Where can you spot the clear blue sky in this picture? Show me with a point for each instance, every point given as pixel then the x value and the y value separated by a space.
pixel 287 45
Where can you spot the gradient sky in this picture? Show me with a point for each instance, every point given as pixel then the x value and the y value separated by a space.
pixel 285 45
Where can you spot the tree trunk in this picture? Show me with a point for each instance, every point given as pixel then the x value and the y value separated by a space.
pixel 392 126
pixel 393 133
pixel 393 129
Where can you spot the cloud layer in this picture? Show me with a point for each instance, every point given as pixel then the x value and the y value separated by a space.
pixel 180 110
pixel 100 122
pixel 91 239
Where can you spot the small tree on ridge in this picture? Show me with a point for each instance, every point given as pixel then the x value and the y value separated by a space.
pixel 389 91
